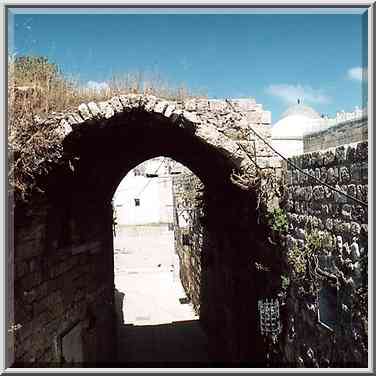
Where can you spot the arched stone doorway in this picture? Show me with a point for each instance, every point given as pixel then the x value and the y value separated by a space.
pixel 102 142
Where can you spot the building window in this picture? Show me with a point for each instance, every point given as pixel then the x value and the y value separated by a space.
pixel 136 202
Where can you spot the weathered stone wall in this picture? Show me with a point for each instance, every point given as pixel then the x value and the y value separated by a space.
pixel 221 251
pixel 326 305
pixel 346 132
pixel 62 287
pixel 188 239
pixel 63 256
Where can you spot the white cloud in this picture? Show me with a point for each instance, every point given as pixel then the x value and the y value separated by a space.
pixel 290 93
pixel 97 86
pixel 357 73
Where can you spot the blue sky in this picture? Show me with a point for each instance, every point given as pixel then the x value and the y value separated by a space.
pixel 274 58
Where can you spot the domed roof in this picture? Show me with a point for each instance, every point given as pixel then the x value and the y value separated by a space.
pixel 301 109
pixel 296 121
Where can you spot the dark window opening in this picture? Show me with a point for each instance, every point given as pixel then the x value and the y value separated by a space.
pixel 136 202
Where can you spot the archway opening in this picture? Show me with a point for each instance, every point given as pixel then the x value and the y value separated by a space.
pixel 101 153
pixel 155 215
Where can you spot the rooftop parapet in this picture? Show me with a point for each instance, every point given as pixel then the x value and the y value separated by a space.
pixel 322 124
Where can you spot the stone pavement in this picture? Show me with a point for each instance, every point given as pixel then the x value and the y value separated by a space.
pixel 154 327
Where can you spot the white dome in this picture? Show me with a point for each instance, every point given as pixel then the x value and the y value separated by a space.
pixel 296 121
pixel 301 109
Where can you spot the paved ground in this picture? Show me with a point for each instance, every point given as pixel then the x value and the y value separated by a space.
pixel 154 326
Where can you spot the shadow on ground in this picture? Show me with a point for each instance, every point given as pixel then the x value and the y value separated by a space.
pixel 176 344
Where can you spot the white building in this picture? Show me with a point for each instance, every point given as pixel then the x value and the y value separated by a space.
pixel 287 133
pixel 301 120
pixel 144 196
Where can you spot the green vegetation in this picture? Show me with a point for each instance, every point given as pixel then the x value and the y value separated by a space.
pixel 297 260
pixel 285 282
pixel 278 221
pixel 314 242
pixel 300 260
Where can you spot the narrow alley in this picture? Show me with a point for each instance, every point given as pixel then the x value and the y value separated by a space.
pixel 156 324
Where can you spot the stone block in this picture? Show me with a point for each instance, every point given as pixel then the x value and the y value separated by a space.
pixel 323 174
pixel 160 107
pixel 359 214
pixel 169 110
pixel 219 106
pixel 324 209
pixel 344 174
pixel 289 177
pixel 350 154
pixel 302 220
pixel 78 118
pixel 84 111
pixel 289 205
pixel 317 173
pixel 311 173
pixel 297 207
pixel 116 105
pixel 340 154
pixel 300 244
pixel 364 172
pixel 305 161
pixel 331 176
pixel 337 226
pixel 202 105
pixel 361 151
pixel 304 178
pixel 64 128
pixel 300 233
pixel 328 193
pixel 355 171
pixel 346 211
pixel 338 197
pixel 254 117
pixel 355 229
pixel 345 228
pixel 318 192
pixel 365 193
pixel 95 111
pixel 329 158
pixel 351 190
pixel 106 110
pixel 190 105
pixel 149 103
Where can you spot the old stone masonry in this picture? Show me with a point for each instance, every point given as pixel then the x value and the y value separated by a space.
pixel 261 230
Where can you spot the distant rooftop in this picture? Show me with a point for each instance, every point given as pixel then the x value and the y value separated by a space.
pixel 299 120
pixel 301 109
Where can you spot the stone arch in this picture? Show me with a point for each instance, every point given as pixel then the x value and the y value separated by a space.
pixel 102 142
pixel 156 126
